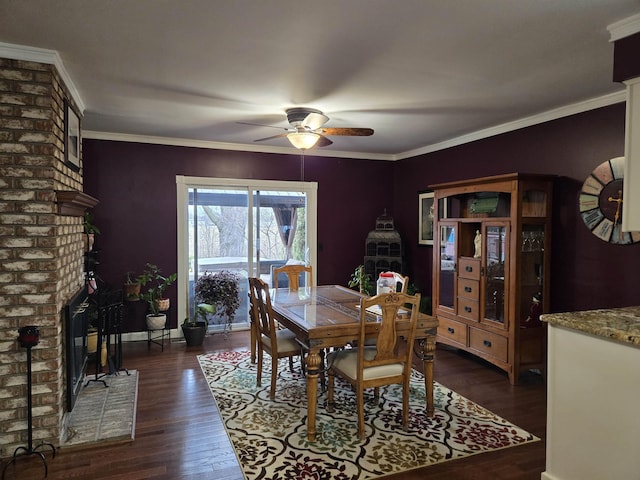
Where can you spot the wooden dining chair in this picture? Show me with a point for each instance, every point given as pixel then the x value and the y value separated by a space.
pixel 385 363
pixel 293 273
pixel 401 283
pixel 277 342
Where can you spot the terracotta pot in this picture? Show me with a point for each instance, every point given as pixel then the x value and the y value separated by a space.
pixel 132 291
pixel 163 304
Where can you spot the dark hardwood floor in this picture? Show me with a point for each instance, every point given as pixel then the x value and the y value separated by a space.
pixel 179 434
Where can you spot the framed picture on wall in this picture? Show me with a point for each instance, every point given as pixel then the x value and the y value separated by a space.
pixel 71 136
pixel 425 218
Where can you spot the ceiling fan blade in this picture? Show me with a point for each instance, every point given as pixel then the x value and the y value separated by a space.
pixel 273 136
pixel 351 132
pixel 323 141
pixel 314 120
pixel 262 125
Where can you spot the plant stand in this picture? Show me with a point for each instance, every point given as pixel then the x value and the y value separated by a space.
pixel 158 336
pixel 29 337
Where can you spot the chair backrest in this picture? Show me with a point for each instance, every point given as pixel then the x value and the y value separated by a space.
pixel 261 310
pixel 402 281
pixel 394 308
pixel 293 273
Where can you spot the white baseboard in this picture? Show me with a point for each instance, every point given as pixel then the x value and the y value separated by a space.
pixel 548 476
pixel 175 334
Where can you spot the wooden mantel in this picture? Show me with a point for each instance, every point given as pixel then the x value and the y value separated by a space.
pixel 74 202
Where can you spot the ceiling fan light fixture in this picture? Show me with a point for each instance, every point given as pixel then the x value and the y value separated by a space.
pixel 303 140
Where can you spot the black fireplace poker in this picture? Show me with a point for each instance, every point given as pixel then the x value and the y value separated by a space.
pixel 28 337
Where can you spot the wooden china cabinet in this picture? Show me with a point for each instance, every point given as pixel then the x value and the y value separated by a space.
pixel 492 243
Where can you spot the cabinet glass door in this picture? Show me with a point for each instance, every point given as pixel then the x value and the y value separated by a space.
pixel 496 271
pixel 447 259
pixel 532 275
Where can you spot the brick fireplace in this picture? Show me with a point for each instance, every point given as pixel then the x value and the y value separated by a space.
pixel 41 247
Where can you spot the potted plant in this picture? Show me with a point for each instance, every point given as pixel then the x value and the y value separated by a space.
pixel 195 330
pixel 90 231
pixel 153 284
pixel 221 290
pixel 425 300
pixel 131 287
pixel 362 280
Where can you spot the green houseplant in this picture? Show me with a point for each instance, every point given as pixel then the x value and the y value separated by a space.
pixel 90 231
pixel 425 300
pixel 194 330
pixel 131 287
pixel 362 280
pixel 222 291
pixel 153 284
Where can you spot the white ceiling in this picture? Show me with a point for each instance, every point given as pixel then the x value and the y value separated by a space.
pixel 422 73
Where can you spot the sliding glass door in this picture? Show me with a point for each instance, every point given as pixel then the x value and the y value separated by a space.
pixel 242 226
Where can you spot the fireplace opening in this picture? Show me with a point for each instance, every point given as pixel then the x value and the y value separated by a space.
pixel 76 314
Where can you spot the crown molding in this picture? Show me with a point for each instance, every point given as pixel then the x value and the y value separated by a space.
pixel 580 107
pixel 549 115
pixel 624 28
pixel 41 55
pixel 185 142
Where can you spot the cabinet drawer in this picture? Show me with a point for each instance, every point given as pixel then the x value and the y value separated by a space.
pixel 469 309
pixel 488 343
pixel 469 268
pixel 469 289
pixel 452 330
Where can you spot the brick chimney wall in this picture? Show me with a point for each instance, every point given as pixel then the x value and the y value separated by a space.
pixel 41 252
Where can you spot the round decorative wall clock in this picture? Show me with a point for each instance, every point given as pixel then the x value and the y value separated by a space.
pixel 601 203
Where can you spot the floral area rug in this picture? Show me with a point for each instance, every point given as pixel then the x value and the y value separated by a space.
pixel 270 437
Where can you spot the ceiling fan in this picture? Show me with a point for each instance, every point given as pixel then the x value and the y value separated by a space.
pixel 307 129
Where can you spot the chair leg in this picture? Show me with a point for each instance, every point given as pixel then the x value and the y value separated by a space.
pixel 274 376
pixel 330 402
pixel 303 362
pixel 405 406
pixel 360 405
pixel 253 341
pixel 291 364
pixel 259 374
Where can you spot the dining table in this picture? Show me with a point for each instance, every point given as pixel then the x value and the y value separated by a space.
pixel 328 316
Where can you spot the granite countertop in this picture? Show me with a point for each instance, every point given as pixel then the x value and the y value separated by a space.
pixel 621 324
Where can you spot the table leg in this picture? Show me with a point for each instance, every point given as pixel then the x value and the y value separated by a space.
pixel 427 352
pixel 313 367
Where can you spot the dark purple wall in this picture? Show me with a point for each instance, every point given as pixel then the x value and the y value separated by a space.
pixel 136 186
pixel 626 62
pixel 586 272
